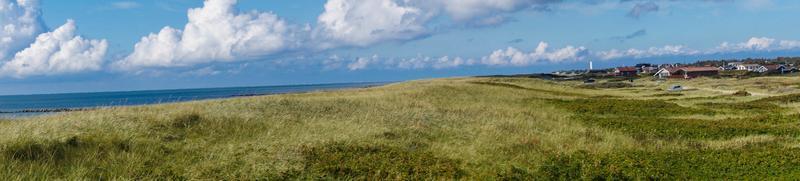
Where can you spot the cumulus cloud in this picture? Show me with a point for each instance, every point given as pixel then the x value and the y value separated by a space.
pixel 366 22
pixel 21 22
pixel 481 10
pixel 514 57
pixel 362 63
pixel 361 23
pixel 423 62
pixel 26 50
pixel 758 44
pixel 754 43
pixel 57 52
pixel 215 32
pixel 412 63
pixel 668 50
pixel 789 44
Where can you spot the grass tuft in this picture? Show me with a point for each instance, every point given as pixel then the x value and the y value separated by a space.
pixel 375 162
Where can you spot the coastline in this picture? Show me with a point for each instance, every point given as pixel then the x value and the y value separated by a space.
pixel 32 112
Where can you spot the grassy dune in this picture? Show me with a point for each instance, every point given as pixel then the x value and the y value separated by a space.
pixel 464 128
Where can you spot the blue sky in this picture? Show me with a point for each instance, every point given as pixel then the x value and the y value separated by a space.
pixel 51 46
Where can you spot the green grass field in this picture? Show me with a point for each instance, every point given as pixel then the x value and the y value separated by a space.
pixel 460 128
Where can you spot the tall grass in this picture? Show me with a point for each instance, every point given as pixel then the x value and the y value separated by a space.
pixel 463 128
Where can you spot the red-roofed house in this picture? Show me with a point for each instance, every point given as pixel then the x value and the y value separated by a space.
pixel 694 72
pixel 626 71
pixel 772 69
pixel 664 73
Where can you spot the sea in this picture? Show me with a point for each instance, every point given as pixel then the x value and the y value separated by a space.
pixel 22 106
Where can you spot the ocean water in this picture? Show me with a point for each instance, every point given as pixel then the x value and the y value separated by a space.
pixel 19 106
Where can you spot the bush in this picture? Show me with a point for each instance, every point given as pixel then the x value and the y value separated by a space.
pixel 669 128
pixel 750 107
pixel 626 107
pixel 784 99
pixel 342 161
pixel 760 162
pixel 742 93
pixel 670 94
pixel 607 85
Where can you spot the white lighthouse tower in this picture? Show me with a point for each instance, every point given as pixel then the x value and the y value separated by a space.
pixel 591 67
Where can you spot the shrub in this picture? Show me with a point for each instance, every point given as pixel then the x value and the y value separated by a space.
pixel 785 99
pixel 626 107
pixel 742 93
pixel 669 94
pixel 668 128
pixel 342 161
pixel 757 162
pixel 747 107
pixel 607 85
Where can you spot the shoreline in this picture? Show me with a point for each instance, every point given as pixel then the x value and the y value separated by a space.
pixel 43 111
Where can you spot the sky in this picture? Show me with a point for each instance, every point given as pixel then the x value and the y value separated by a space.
pixel 52 46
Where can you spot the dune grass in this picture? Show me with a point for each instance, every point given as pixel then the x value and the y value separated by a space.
pixel 460 128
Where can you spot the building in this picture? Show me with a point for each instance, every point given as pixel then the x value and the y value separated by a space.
pixel 626 71
pixel 761 69
pixel 646 68
pixel 735 64
pixel 664 73
pixel 727 67
pixel 778 69
pixel 694 72
pixel 667 66
pixel 748 67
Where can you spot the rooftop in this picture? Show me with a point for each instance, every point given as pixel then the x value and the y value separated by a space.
pixel 699 69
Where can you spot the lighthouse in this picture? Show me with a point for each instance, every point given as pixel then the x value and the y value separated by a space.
pixel 590 66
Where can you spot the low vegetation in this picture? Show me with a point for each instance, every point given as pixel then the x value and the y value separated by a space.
pixel 445 129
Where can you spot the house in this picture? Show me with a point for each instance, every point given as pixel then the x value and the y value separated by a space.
pixel 626 71
pixel 664 73
pixel 780 69
pixel 748 67
pixel 646 68
pixel 761 69
pixel 727 67
pixel 735 64
pixel 566 73
pixel 694 72
pixel 667 66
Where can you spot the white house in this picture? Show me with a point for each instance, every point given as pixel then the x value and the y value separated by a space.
pixel 748 67
pixel 760 69
pixel 664 73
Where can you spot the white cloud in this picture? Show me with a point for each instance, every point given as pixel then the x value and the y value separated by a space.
pixel 465 10
pixel 447 62
pixel 57 52
pixel 377 62
pixel 20 22
pixel 365 22
pixel 789 44
pixel 753 44
pixel 514 57
pixel 215 33
pixel 362 63
pixel 668 50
